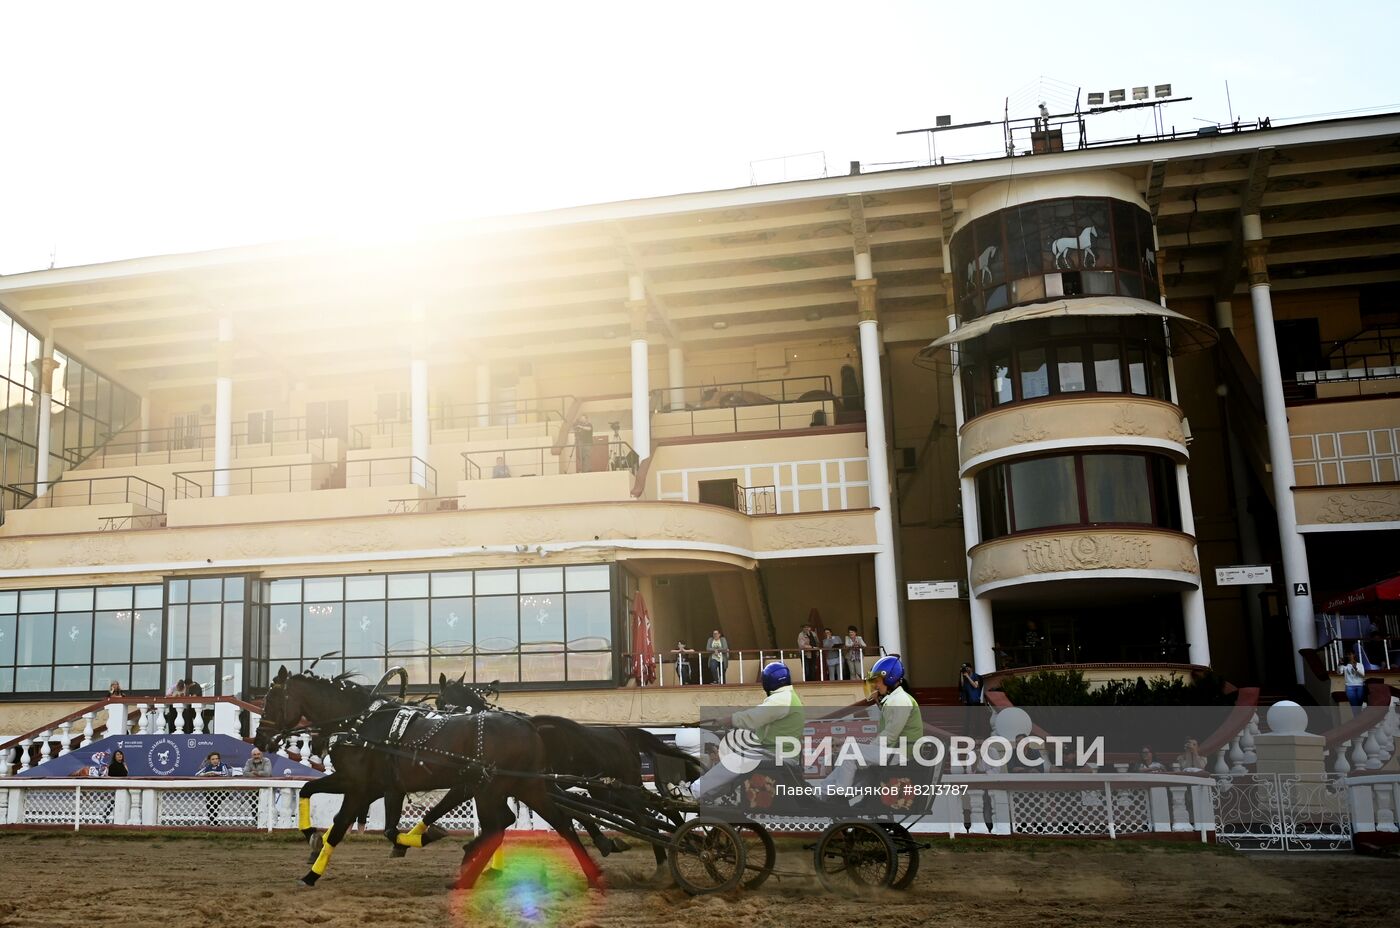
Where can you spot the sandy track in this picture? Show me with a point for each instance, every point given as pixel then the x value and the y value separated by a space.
pixel 60 880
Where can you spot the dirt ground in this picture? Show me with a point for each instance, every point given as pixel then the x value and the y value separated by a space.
pixel 64 879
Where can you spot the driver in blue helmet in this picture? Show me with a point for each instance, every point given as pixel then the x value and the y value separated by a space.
pixel 779 715
pixel 900 723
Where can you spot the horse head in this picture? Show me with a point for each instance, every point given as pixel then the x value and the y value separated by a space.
pixel 459 695
pixel 277 715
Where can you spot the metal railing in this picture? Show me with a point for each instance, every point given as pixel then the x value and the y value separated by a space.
pixel 253 480
pixel 758 416
pixel 394 471
pixel 500 418
pixel 699 666
pixel 93 491
pixel 289 435
pixel 1379 652
pixel 131 523
pixel 543 461
pixel 428 504
pixel 746 392
pixel 756 501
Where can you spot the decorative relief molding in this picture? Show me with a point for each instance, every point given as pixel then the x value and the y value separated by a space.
pixel 1188 564
pixel 1175 434
pixel 986 574
pixel 984 444
pixel 1382 506
pixel 1086 552
pixel 1027 432
pixel 812 535
pixel 1127 422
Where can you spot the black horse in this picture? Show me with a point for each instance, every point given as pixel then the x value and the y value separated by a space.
pixel 488 756
pixel 595 752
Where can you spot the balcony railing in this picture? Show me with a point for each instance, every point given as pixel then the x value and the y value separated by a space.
pixel 500 418
pixel 1380 653
pixel 93 491
pixel 196 443
pixel 131 523
pixel 543 461
pixel 395 471
pixel 747 393
pixel 1356 456
pixel 697 666
pixel 425 504
pixel 756 501
pixel 252 481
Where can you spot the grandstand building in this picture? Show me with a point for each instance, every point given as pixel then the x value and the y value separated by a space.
pixel 1053 392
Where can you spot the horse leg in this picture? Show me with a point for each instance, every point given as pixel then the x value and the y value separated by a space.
pixel 493 815
pixel 350 808
pixel 334 783
pixel 536 796
pixel 424 833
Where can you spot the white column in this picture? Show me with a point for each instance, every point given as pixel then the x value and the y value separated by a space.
pixel 1193 601
pixel 45 401
pixel 983 635
pixel 223 408
pixel 675 364
pixel 641 380
pixel 1295 552
pixel 1224 315
pixel 483 394
pixel 418 398
pixel 886 570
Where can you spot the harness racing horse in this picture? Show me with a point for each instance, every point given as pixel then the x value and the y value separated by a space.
pixel 595 752
pixel 382 747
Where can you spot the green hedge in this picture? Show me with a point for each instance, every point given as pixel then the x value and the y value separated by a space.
pixel 1069 688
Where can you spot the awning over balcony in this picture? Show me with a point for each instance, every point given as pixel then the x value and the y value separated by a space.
pixel 1187 334
pixel 1366 599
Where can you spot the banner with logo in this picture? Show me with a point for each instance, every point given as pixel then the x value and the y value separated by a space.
pixel 162 756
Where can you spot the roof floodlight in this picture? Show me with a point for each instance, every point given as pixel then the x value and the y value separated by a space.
pixel 1139 93
pixel 1096 99
pixel 1162 90
pixel 1117 96
pixel 943 120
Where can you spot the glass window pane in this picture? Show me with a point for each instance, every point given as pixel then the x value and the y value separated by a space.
pixel 7 639
pixel 7 680
pixel 149 596
pixel 322 590
pixel 369 669
pixel 33 680
pixel 72 678
pixel 408 586
pixel 367 587
pixel 1043 493
pixel 542 580
pixel 285 631
pixel 9 601
pixel 1117 489
pixel 78 600
pixel 589 621
pixel 496 623
pixel 179 591
pixel 1108 376
pixel 145 676
pixel 587 577
pixel 204 630
pixel 1158 362
pixel 596 665
pixel 233 630
pixel 542 668
pixel 36 600
pixel 1035 377
pixel 73 638
pixel 452 625
pixel 112 636
pixel 408 625
pixel 504 668
pixel 542 622
pixel 1069 368
pixel 452 583
pixel 364 628
pixel 145 635
pixel 417 668
pixel 206 590
pixel 35 640
pixel 1001 380
pixel 321 629
pixel 104 674
pixel 233 589
pixel 175 631
pixel 1137 370
pixel 284 591
pixel 493 582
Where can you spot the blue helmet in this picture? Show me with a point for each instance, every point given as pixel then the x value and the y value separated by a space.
pixel 890 668
pixel 775 675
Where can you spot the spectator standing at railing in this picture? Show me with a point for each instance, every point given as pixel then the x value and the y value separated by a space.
pixel 809 644
pixel 501 469
pixel 114 690
pixel 831 645
pixel 970 691
pixel 583 443
pixel 855 651
pixel 718 649
pixel 682 663
pixel 1354 678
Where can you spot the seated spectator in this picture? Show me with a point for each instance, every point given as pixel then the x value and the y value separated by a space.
pixel 258 765
pixel 683 674
pixel 1147 762
pixel 1191 758
pixel 501 469
pixel 214 766
pixel 117 767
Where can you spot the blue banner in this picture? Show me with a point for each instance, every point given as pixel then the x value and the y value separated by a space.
pixel 162 756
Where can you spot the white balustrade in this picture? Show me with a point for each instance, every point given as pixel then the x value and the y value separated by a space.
pixel 167 721
pixel 24 747
pixel 1180 820
pixel 1247 740
pixel 87 729
pixel 1358 753
pixel 45 746
pixel 1373 751
pixel 1237 766
pixel 199 720
pixel 1341 764
pixel 116 718
pixel 1385 808
pixel 133 812
pixel 1221 768
pixel 65 738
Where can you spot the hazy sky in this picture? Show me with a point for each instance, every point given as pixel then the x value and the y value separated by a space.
pixel 136 129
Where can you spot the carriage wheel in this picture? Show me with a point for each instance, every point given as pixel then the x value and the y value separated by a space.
pixel 706 856
pixel 760 854
pixel 860 851
pixel 907 851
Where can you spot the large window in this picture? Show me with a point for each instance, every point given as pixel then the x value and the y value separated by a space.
pixel 515 625
pixel 78 640
pixel 1062 490
pixel 1051 249
pixel 1064 357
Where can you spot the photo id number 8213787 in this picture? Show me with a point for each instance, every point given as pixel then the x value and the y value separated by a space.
pixel 935 789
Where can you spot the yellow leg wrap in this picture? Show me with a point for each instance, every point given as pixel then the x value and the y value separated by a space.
pixel 324 858
pixel 418 829
pixel 409 840
pixel 498 860
pixel 303 813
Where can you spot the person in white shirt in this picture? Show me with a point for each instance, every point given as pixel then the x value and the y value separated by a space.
pixel 1354 677
pixel 718 649
pixel 855 649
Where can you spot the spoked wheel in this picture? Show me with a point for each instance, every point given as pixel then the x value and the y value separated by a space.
pixel 706 856
pixel 906 855
pixel 861 852
pixel 760 855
